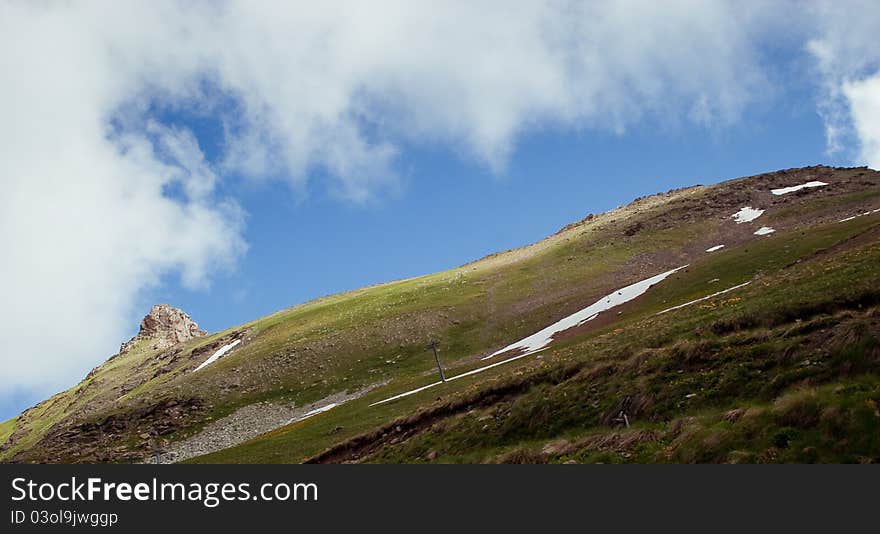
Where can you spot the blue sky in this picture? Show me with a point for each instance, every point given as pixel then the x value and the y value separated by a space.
pixel 236 159
pixel 452 210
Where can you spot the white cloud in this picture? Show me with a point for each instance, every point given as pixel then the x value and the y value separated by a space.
pixel 864 102
pixel 84 223
pixel 848 60
pixel 329 89
pixel 337 87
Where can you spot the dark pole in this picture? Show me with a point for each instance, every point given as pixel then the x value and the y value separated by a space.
pixel 433 345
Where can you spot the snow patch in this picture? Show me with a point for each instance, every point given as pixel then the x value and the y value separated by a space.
pixel 541 339
pixel 716 247
pixel 764 230
pixel 406 393
pixel 316 411
pixel 747 214
pixel 649 282
pixel 220 352
pixel 792 189
pixel 704 298
pixel 859 215
pixel 456 377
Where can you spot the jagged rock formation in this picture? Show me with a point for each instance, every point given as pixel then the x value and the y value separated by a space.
pixel 164 326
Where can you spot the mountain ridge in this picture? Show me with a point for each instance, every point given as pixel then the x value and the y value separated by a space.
pixel 373 338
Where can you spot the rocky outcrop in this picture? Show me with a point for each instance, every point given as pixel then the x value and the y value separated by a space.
pixel 163 327
pixel 249 422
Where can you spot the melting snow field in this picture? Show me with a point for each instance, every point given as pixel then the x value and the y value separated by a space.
pixel 764 230
pixel 704 298
pixel 541 339
pixel 746 214
pixel 716 247
pixel 220 352
pixel 792 189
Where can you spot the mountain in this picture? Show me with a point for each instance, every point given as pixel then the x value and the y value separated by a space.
pixel 737 322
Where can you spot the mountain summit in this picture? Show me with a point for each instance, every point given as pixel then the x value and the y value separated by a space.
pixel 165 326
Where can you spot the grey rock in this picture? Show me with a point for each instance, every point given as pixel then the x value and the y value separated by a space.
pixel 164 327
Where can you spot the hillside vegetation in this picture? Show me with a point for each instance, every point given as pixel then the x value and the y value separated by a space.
pixel 783 368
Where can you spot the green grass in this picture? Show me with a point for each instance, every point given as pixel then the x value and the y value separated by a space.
pixel 782 287
pixel 6 429
pixel 803 405
pixel 471 296
pixel 40 419
pixel 378 334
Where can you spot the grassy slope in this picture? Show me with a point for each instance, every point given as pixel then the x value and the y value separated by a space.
pixel 119 378
pixel 346 341
pixel 378 333
pixel 792 276
pixel 6 429
pixel 787 369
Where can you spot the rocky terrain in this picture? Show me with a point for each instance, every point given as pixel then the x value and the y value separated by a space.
pixel 246 423
pixel 164 326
